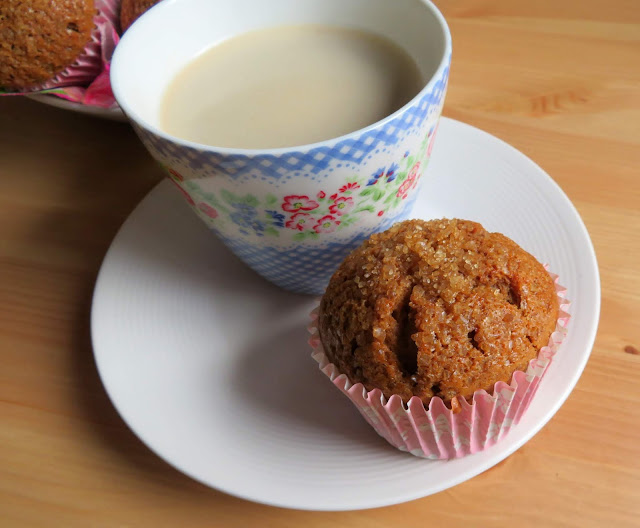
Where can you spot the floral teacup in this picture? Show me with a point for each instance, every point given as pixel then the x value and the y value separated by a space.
pixel 292 214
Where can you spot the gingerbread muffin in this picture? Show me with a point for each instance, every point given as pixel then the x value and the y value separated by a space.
pixel 440 308
pixel 40 38
pixel 130 10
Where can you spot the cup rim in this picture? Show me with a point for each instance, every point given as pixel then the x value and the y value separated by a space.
pixel 135 117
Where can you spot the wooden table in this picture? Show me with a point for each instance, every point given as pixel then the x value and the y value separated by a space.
pixel 559 80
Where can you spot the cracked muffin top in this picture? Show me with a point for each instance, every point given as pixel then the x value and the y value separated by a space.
pixel 40 38
pixel 438 308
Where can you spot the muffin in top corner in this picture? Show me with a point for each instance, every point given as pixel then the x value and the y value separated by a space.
pixel 40 38
pixel 436 308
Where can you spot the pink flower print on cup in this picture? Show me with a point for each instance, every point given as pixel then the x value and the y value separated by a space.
pixel 184 193
pixel 300 221
pixel 351 186
pixel 327 224
pixel 176 175
pixel 208 210
pixel 295 203
pixel 414 174
pixel 410 182
pixel 404 189
pixel 342 205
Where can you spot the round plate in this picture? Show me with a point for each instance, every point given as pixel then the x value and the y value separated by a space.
pixel 209 364
pixel 114 114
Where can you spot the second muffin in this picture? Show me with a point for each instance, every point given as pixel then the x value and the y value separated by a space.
pixel 40 38
pixel 439 308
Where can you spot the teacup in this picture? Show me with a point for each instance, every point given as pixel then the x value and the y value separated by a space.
pixel 291 214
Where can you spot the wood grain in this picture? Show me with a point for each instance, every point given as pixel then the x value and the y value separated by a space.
pixel 558 80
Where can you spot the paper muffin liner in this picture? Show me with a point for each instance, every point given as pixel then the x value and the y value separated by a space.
pixel 439 432
pixel 86 81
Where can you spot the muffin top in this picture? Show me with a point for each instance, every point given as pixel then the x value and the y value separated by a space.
pixel 438 308
pixel 40 38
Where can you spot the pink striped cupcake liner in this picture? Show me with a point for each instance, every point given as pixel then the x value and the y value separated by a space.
pixel 438 432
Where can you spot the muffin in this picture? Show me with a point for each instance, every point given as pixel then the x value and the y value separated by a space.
pixel 130 10
pixel 439 332
pixel 40 38
pixel 440 308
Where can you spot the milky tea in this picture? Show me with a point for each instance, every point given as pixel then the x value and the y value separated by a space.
pixel 288 86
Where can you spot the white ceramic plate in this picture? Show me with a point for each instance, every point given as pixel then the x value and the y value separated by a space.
pixel 114 114
pixel 209 364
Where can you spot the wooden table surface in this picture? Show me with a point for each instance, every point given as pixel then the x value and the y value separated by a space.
pixel 559 80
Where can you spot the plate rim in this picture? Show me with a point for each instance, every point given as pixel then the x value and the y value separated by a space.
pixel 112 114
pixel 399 497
